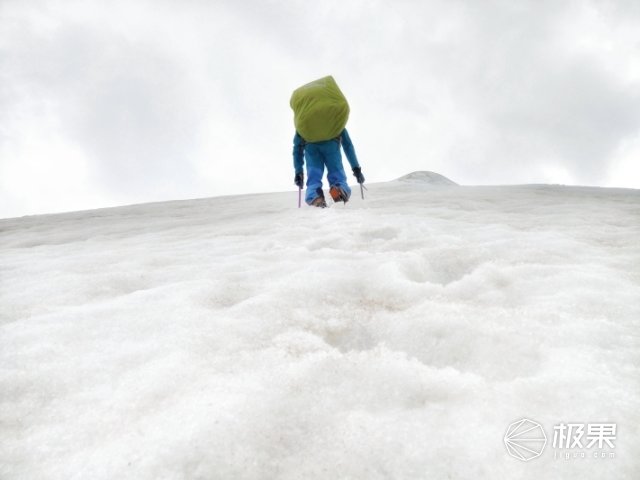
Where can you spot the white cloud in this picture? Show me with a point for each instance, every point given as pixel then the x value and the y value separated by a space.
pixel 624 169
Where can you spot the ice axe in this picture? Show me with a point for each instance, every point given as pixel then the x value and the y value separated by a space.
pixel 362 189
pixel 299 197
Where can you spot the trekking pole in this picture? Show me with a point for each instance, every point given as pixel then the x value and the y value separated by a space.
pixel 299 197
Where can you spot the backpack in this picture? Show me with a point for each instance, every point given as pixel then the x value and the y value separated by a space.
pixel 320 110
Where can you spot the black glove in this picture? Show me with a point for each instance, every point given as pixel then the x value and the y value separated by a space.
pixel 299 179
pixel 357 172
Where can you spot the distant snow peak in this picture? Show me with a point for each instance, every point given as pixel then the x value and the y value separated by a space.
pixel 426 177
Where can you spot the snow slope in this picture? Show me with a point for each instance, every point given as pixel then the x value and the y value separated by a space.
pixel 396 337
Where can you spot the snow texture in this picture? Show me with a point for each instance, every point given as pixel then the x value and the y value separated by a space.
pixel 391 338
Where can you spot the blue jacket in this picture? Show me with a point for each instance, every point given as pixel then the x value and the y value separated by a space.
pixel 299 144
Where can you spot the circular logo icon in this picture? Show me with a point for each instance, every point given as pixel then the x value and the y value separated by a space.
pixel 525 439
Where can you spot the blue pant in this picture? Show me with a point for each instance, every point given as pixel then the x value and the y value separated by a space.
pixel 321 154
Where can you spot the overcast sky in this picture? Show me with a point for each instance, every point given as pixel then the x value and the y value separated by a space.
pixel 119 102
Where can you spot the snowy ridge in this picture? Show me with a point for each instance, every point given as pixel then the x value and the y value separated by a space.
pixel 425 177
pixel 396 337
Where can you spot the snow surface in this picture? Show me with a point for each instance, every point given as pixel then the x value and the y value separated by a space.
pixel 396 337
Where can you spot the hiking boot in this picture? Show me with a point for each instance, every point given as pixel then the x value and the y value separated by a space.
pixel 338 194
pixel 319 200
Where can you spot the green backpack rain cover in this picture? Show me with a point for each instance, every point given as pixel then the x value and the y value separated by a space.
pixel 320 110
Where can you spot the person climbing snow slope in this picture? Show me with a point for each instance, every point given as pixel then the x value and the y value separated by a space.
pixel 321 112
